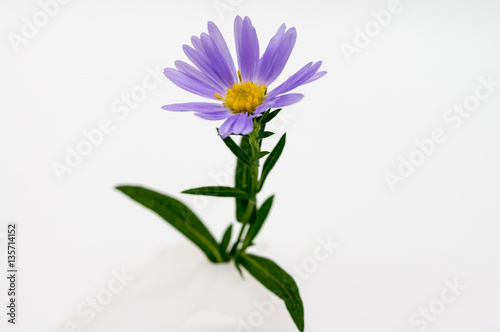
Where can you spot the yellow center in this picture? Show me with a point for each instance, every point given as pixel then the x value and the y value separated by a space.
pixel 243 97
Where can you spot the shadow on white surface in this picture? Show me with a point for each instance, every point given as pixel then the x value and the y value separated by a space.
pixel 213 322
pixel 179 290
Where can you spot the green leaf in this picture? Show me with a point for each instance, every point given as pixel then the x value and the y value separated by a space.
pixel 217 191
pixel 179 216
pixel 277 281
pixel 239 269
pixel 265 114
pixel 242 179
pixel 271 161
pixel 225 240
pixel 237 151
pixel 266 134
pixel 269 116
pixel 262 154
pixel 253 216
pixel 261 132
pixel 261 218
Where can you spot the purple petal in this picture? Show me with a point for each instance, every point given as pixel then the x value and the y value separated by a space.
pixel 280 58
pixel 280 101
pixel 189 83
pixel 286 100
pixel 226 129
pixel 248 127
pixel 198 107
pixel 301 77
pixel 247 47
pixel 196 41
pixel 195 73
pixel 302 71
pixel 218 39
pixel 269 55
pixel 217 61
pixel 221 115
pixel 316 76
pixel 242 123
pixel 262 108
pixel 201 62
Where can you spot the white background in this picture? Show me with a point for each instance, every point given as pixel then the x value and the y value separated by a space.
pixel 397 247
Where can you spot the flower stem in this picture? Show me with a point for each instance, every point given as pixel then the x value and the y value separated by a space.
pixel 241 233
pixel 254 142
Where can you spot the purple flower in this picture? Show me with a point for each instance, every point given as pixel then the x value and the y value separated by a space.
pixel 240 95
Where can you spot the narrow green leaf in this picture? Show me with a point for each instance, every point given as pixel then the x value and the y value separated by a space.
pixel 271 160
pixel 261 218
pixel 239 269
pixel 233 248
pixel 253 216
pixel 217 191
pixel 265 114
pixel 261 132
pixel 266 134
pixel 262 154
pixel 277 281
pixel 179 216
pixel 270 116
pixel 237 151
pixel 242 179
pixel 225 240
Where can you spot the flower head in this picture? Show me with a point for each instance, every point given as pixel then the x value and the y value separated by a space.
pixel 242 94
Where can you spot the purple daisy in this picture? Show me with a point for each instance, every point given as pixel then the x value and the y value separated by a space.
pixel 242 94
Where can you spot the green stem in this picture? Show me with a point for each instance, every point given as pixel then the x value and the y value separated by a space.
pixel 254 142
pixel 241 233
